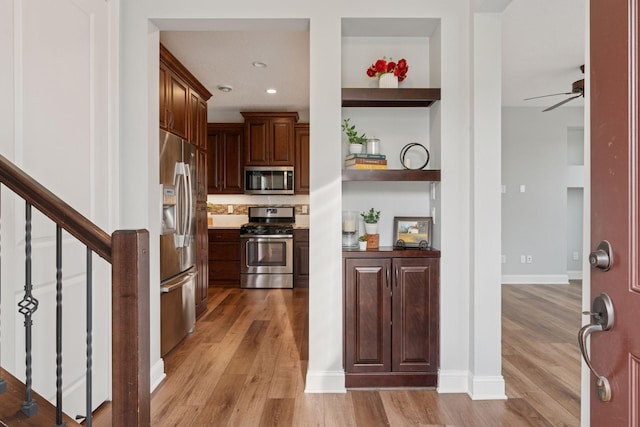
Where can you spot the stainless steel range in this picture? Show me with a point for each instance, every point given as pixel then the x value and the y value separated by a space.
pixel 266 253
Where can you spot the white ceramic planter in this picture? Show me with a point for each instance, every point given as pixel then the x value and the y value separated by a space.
pixel 355 148
pixel 388 81
pixel 363 246
pixel 371 228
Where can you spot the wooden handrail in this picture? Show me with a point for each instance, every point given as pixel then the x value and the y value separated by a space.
pixel 57 210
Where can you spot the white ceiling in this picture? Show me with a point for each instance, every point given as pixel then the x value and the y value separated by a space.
pixel 543 48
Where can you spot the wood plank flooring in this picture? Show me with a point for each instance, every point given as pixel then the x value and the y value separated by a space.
pixel 245 365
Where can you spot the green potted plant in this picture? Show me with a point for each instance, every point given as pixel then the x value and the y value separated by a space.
pixel 355 141
pixel 371 219
pixel 362 241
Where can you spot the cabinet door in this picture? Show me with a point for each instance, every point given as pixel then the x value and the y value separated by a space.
pixel 225 159
pixel 163 97
pixel 415 315
pixel 256 147
pixel 281 142
pixel 367 315
pixel 301 258
pixel 177 99
pixel 201 176
pixel 301 179
pixel 202 124
pixel 192 119
pixel 202 259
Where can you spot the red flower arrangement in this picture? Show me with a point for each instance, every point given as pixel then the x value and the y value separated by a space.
pixel 382 66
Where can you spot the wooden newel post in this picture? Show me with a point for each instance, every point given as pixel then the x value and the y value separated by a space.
pixel 130 300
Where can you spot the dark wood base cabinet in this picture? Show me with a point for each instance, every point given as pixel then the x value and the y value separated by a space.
pixel 224 257
pixel 391 318
pixel 301 258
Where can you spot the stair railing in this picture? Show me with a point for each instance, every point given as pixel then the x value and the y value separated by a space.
pixel 128 253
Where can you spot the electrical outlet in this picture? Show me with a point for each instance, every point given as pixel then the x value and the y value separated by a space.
pixel 503 189
pixel 229 208
pixel 522 188
pixel 305 209
pixel 523 259
pixel 576 256
pixel 503 259
pixel 529 259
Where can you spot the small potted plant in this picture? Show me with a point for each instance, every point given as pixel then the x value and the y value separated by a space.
pixel 388 72
pixel 355 142
pixel 362 241
pixel 371 219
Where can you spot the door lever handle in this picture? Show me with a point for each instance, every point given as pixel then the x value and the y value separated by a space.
pixel 602 313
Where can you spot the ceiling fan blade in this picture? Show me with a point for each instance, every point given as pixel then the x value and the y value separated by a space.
pixel 561 103
pixel 553 94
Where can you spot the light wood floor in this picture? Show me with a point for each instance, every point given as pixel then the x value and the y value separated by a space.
pixel 245 365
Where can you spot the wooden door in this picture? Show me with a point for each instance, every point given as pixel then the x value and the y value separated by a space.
pixel 281 142
pixel 163 97
pixel 367 315
pixel 225 158
pixel 256 148
pixel 615 354
pixel 415 315
pixel 302 163
pixel 177 101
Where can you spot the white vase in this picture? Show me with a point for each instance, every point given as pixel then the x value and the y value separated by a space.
pixel 363 245
pixel 388 81
pixel 371 228
pixel 355 148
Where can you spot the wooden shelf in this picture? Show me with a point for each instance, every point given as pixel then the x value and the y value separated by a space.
pixel 365 97
pixel 391 175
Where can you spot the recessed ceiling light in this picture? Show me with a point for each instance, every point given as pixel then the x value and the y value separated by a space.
pixel 259 64
pixel 271 91
pixel 225 88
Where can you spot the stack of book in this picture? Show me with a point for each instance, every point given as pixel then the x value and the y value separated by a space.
pixel 366 161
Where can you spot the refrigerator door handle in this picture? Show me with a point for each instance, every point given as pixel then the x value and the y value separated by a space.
pixel 181 221
pixel 189 192
pixel 177 283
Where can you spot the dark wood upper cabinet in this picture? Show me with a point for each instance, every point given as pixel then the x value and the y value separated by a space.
pixel 183 100
pixel 225 160
pixel 302 153
pixel 269 138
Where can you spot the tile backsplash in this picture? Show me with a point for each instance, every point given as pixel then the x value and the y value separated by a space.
pixel 243 209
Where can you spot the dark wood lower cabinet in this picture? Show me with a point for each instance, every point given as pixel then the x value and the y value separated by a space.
pixel 301 258
pixel 391 312
pixel 224 257
pixel 202 279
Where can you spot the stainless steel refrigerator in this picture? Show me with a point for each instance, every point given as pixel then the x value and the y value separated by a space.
pixel 177 241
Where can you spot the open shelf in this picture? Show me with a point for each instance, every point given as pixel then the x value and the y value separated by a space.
pixel 391 175
pixel 373 97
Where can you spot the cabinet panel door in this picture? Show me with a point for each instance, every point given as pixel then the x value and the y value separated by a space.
pixel 177 100
pixel 257 142
pixel 214 143
pixel 302 159
pixel 367 315
pixel 232 167
pixel 201 176
pixel 202 279
pixel 163 97
pixel 281 142
pixel 201 138
pixel 415 315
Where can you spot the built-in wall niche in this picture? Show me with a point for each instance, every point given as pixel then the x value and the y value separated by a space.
pixel 418 40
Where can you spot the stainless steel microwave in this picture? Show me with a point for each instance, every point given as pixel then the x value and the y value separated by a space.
pixel 268 180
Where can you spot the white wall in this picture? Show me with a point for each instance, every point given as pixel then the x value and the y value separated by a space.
pixel 139 160
pixel 58 85
pixel 534 147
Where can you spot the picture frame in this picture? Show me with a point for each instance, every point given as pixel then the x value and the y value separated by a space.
pixel 412 230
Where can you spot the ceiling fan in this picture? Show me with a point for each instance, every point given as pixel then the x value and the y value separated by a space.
pixel 577 90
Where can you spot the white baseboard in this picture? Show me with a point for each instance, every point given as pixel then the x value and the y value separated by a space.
pixel 574 274
pixel 157 374
pixel 453 382
pixel 487 388
pixel 535 279
pixel 325 382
